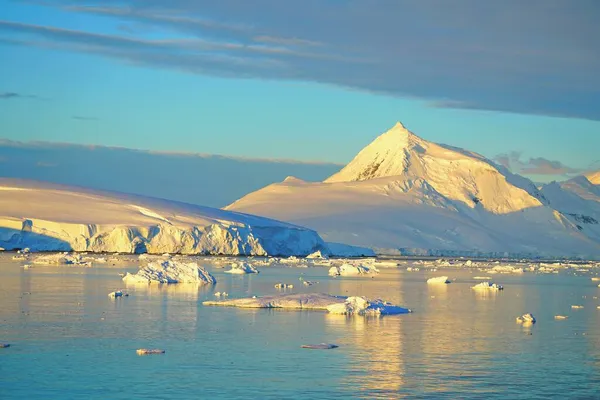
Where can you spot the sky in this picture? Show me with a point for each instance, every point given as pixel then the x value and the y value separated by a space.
pixel 311 80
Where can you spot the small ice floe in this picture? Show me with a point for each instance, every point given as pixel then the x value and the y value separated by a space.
pixel 308 283
pixel 145 352
pixel 221 294
pixel 358 305
pixel 352 270
pixel 118 293
pixel 413 269
pixel 170 271
pixel 560 317
pixel 576 307
pixel 242 268
pixel 4 345
pixel 526 319
pixel 438 280
pixel 506 269
pixel 321 346
pixel 487 286
pixel 596 278
pixel 482 278
pixel 26 266
pixel 280 285
pixel 62 259
pixel 317 254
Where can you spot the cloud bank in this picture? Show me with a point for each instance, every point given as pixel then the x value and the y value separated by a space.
pixel 534 57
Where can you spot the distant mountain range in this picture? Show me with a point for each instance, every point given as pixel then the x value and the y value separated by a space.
pixel 403 194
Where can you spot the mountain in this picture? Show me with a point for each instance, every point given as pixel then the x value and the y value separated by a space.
pixel 403 193
pixel 44 216
pixel 593 177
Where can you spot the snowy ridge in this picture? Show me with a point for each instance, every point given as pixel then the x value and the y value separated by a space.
pixel 403 194
pixel 49 217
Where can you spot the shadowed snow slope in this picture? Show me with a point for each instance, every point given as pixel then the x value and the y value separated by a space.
pixel 403 192
pixel 88 220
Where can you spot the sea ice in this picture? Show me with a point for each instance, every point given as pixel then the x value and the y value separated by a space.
pixel 317 254
pixel 4 345
pixel 221 294
pixel 143 352
pixel 299 301
pixel 576 307
pixel 117 293
pixel 62 258
pixel 560 317
pixel 352 270
pixel 358 305
pixel 481 277
pixel 283 286
pixel 242 268
pixel 170 271
pixel 322 346
pixel 526 319
pixel 438 280
pixel 487 286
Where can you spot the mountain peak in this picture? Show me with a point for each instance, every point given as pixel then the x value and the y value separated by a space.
pixel 593 177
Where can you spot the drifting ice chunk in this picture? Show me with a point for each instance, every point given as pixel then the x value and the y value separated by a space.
pixel 170 271
pixel 481 277
pixel 316 254
pixel 308 283
pixel 352 270
pixel 357 305
pixel 526 319
pixel 283 286
pixel 62 258
pixel 576 307
pixel 117 293
pixel 322 346
pixel 560 317
pixel 506 269
pixel 4 345
pixel 438 280
pixel 219 294
pixel 143 352
pixel 242 268
pixel 596 278
pixel 487 286
pixel 300 301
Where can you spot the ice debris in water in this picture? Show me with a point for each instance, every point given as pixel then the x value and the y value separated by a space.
pixel 284 286
pixel 352 270
pixel 4 345
pixel 242 268
pixel 576 307
pixel 308 283
pixel 143 352
pixel 438 280
pixel 221 294
pixel 526 319
pixel 118 293
pixel 170 271
pixel 321 346
pixel 560 317
pixel 62 258
pixel 487 286
pixel 358 305
pixel 317 254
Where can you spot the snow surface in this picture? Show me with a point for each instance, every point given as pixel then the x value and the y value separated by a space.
pixel 352 270
pixel 51 217
pixel 170 271
pixel 402 194
pixel 438 280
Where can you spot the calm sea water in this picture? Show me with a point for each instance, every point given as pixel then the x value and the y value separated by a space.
pixel 70 341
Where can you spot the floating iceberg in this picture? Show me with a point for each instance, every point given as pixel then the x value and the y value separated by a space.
pixel 317 254
pixel 308 283
pixel 315 301
pixel 242 268
pixel 576 307
pixel 117 293
pixel 526 319
pixel 221 294
pixel 560 317
pixel 62 258
pixel 321 346
pixel 144 352
pixel 170 271
pixel 357 305
pixel 284 286
pixel 481 277
pixel 487 286
pixel 4 345
pixel 438 280
pixel 352 270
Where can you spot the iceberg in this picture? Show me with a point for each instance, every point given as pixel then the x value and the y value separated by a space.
pixel 438 280
pixel 144 352
pixel 284 286
pixel 317 254
pixel 576 307
pixel 357 305
pixel 4 345
pixel 321 346
pixel 487 286
pixel 242 268
pixel 315 301
pixel 527 318
pixel 117 293
pixel 560 317
pixel 352 270
pixel 62 259
pixel 170 271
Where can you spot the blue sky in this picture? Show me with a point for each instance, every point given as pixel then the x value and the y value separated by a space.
pixel 311 80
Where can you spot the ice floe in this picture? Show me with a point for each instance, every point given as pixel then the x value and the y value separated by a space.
pixel 242 268
pixel 170 271
pixel 352 270
pixel 283 286
pixel 358 305
pixel 576 307
pixel 438 280
pixel 317 254
pixel 527 318
pixel 221 294
pixel 560 317
pixel 321 346
pixel 118 293
pixel 487 286
pixel 62 259
pixel 144 352
pixel 4 345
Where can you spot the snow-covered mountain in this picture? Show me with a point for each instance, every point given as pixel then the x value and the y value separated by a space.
pixel 44 216
pixel 403 192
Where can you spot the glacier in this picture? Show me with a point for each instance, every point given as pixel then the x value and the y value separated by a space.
pixel 51 217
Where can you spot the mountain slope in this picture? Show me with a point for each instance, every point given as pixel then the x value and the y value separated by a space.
pixel 46 216
pixel 593 177
pixel 404 192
